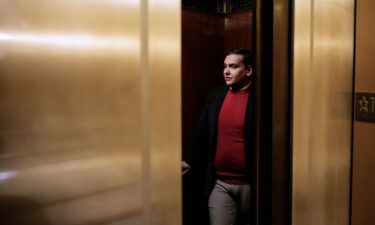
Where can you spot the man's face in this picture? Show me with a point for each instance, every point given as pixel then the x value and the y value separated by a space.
pixel 235 72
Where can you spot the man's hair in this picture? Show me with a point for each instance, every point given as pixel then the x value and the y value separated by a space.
pixel 247 55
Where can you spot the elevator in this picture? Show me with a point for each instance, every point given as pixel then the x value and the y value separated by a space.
pixel 95 98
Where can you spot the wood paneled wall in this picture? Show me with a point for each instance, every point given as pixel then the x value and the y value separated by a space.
pixel 238 30
pixel 202 57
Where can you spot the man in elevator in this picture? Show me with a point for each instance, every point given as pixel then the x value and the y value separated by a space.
pixel 223 141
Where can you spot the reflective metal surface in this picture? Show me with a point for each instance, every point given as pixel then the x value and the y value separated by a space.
pixel 164 110
pixel 87 134
pixel 322 96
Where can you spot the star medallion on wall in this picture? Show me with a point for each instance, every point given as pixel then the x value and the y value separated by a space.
pixel 364 104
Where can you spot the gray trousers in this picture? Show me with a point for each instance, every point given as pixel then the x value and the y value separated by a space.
pixel 229 204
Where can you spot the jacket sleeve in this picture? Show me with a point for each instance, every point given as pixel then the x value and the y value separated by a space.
pixel 199 149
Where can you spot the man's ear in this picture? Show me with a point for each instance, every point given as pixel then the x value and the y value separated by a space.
pixel 249 71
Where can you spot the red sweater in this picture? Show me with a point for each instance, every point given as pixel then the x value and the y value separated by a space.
pixel 230 154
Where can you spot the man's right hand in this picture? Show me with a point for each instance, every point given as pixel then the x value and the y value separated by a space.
pixel 185 167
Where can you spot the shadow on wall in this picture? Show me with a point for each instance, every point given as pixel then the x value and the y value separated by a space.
pixel 15 210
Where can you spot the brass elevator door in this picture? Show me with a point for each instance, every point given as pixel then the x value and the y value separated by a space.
pixel 90 112
pixel 323 49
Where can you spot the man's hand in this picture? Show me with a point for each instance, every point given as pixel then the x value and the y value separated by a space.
pixel 185 167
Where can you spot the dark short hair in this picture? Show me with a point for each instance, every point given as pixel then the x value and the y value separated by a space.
pixel 247 55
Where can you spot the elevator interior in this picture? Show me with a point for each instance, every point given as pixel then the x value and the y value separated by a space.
pixel 209 30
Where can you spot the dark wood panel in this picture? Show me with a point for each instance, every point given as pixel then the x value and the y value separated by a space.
pixel 202 57
pixel 281 115
pixel 238 30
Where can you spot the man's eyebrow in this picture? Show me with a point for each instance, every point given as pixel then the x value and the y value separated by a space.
pixel 231 64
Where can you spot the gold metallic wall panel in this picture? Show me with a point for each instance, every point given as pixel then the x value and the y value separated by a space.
pixel 76 138
pixel 165 106
pixel 363 182
pixel 322 90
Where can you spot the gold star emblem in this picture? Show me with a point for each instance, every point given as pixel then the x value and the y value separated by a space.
pixel 364 104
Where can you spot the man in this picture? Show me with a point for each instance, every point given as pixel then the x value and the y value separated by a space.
pixel 224 138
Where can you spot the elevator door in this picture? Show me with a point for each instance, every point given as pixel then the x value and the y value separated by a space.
pixel 90 112
pixel 323 44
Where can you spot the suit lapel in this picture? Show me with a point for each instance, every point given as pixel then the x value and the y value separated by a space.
pixel 218 103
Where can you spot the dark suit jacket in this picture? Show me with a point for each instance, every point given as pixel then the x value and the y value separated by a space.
pixel 204 146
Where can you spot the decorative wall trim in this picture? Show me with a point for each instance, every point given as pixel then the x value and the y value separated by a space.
pixel 218 6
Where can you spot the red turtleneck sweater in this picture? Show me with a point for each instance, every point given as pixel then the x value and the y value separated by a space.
pixel 230 153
